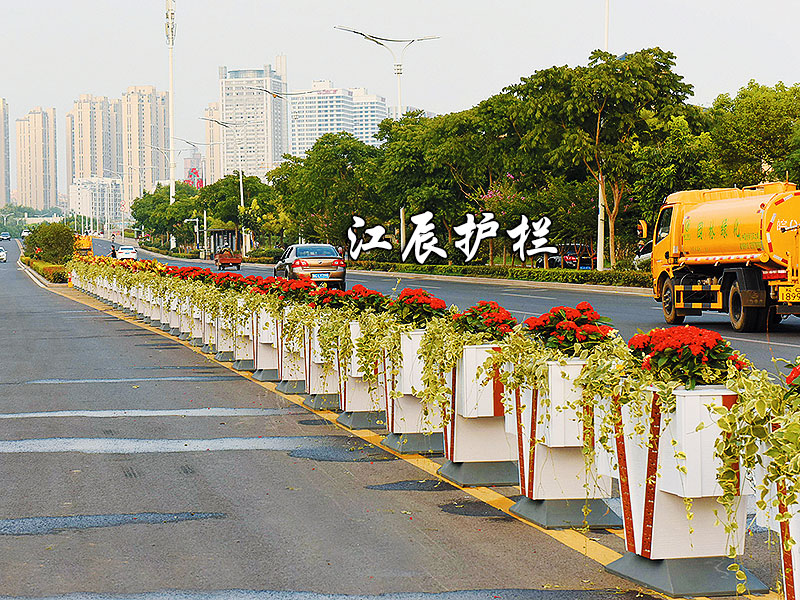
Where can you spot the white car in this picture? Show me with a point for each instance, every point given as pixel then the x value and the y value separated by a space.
pixel 127 253
pixel 3 256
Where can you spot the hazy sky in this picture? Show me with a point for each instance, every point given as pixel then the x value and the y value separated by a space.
pixel 54 50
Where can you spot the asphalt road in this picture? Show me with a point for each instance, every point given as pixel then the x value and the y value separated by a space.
pixel 134 465
pixel 629 312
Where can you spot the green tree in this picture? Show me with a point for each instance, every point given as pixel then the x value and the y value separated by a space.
pixel 753 133
pixel 154 213
pixel 323 191
pixel 51 242
pixel 679 161
pixel 593 115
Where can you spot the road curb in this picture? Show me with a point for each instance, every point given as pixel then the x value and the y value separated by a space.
pixel 610 289
pixel 38 278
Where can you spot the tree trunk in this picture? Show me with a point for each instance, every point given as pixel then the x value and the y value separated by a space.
pixel 491 251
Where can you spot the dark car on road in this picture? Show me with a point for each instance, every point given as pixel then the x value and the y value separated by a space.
pixel 321 262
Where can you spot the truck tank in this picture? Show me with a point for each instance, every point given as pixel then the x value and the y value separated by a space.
pixel 745 226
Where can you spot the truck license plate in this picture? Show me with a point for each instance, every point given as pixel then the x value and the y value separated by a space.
pixel 319 276
pixel 789 293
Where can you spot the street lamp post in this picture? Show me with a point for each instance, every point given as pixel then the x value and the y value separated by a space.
pixel 398 64
pixel 601 192
pixel 170 31
pixel 235 127
pixel 203 178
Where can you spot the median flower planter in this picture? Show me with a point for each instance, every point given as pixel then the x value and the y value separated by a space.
pixel 413 428
pixel 225 339
pixel 265 347
pixel 173 326
pixel 359 404
pixel 291 368
pixel 665 450
pixel 243 358
pixel 478 448
pixel 561 484
pixel 196 335
pixel 209 332
pixel 321 378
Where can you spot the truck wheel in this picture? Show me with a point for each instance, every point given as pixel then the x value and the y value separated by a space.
pixel 671 315
pixel 743 318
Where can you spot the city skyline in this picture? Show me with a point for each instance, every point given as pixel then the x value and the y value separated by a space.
pixel 469 62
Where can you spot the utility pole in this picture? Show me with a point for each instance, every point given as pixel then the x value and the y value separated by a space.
pixel 601 191
pixel 170 31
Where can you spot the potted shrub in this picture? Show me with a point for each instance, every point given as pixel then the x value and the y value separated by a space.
pixel 478 449
pixel 668 466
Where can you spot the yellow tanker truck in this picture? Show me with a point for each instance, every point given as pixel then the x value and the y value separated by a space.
pixel 729 250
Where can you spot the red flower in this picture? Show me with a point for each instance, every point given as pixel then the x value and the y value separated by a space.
pixel 794 374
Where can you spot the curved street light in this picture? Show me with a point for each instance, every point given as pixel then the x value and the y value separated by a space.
pixel 235 127
pixel 398 64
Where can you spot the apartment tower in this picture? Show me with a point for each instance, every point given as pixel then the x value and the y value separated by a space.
pixel 326 109
pixel 215 148
pixel 36 159
pixel 258 134
pixel 5 169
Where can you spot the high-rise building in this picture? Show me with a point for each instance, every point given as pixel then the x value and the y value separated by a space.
pixel 36 159
pixel 95 197
pixel 325 109
pixel 259 133
pixel 320 110
pixel 94 138
pixel 215 149
pixel 369 111
pixel 5 169
pixel 144 124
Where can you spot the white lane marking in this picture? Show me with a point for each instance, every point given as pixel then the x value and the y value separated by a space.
pixel 528 296
pixel 33 279
pixel 187 412
pixel 135 379
pixel 139 446
pixel 766 342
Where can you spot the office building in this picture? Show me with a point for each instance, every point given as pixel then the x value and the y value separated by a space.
pixel 36 159
pixel 5 168
pixel 326 109
pixel 258 136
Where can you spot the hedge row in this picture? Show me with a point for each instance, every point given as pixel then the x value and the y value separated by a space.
pixel 53 273
pixel 611 277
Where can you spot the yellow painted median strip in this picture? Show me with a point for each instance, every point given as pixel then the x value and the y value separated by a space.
pixel 571 538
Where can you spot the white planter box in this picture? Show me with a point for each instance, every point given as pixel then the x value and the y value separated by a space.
pixel 267 329
pixel 474 396
pixel 291 366
pixel 411 369
pixel 656 524
pixel 691 413
pixel 559 425
pixel 355 396
pixel 478 439
pixel 224 338
pixel 404 413
pixel 319 377
pixel 553 472
pixel 353 370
